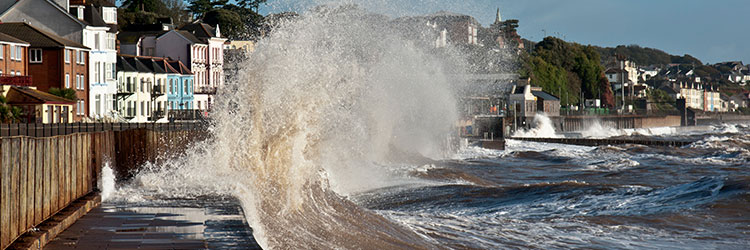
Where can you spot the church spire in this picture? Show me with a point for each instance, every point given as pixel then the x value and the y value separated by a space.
pixel 497 18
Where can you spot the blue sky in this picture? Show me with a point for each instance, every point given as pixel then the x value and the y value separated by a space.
pixel 712 31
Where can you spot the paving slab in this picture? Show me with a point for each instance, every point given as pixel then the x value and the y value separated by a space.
pixel 203 223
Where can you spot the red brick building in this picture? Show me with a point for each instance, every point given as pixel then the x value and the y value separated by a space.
pixel 14 61
pixel 55 62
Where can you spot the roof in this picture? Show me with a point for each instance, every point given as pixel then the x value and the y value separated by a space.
pixel 544 95
pixel 163 63
pixel 25 95
pixel 200 30
pixel 124 65
pixel 36 37
pixel 151 65
pixel 137 64
pixel 189 36
pixel 92 16
pixel 180 67
pixel 615 70
pixel 7 38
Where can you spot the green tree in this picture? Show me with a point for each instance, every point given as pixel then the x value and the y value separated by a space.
pixel 229 21
pixel 69 94
pixel 660 100
pixel 583 72
pixel 8 114
pixel 199 8
pixel 177 10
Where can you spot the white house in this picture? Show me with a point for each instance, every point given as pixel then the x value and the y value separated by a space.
pixel 142 95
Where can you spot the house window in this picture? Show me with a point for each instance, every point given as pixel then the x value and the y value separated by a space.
pixel 19 53
pixel 96 71
pixel 108 71
pixel 80 58
pixel 67 56
pixel 67 80
pixel 2 49
pixel 36 56
pixel 98 104
pixel 97 44
pixel 112 70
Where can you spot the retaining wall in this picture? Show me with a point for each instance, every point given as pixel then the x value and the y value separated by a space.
pixel 40 176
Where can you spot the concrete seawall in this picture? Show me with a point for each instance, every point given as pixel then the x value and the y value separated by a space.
pixel 41 176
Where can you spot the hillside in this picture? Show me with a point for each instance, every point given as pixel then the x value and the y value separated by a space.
pixel 645 56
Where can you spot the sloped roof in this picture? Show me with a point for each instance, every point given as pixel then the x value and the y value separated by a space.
pixel 615 70
pixel 189 36
pixel 544 95
pixel 137 64
pixel 200 30
pixel 165 65
pixel 180 67
pixel 24 95
pixel 36 37
pixel 8 38
pixel 93 17
pixel 124 65
pixel 151 65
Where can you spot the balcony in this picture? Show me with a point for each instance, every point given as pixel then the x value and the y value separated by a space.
pixel 126 89
pixel 187 115
pixel 208 90
pixel 157 114
pixel 16 80
pixel 157 90
pixel 128 113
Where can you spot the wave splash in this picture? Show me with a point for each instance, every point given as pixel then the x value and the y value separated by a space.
pixel 322 102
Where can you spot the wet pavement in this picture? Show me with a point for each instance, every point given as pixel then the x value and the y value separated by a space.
pixel 206 223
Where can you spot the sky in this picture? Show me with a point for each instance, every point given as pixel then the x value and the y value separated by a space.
pixel 712 31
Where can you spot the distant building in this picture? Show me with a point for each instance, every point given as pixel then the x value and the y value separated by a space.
pixel 447 28
pixel 546 103
pixel 623 77
pixel 528 101
pixel 142 97
pixel 38 106
pixel 697 95
pixel 92 23
pixel 55 62
pixel 197 45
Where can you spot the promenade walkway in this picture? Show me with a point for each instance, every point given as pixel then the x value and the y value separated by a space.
pixel 213 223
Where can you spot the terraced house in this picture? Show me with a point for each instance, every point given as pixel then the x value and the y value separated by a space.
pixel 92 23
pixel 198 46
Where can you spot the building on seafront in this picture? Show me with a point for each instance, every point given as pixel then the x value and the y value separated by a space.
pixel 180 88
pixel 198 46
pixel 17 86
pixel 149 88
pixel 142 97
pixel 92 23
pixel 54 62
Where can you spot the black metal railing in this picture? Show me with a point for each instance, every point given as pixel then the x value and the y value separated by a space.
pixel 188 115
pixel 157 114
pixel 126 89
pixel 157 90
pixel 16 80
pixel 206 90
pixel 55 129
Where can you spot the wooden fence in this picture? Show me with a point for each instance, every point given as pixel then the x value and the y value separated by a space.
pixel 39 176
